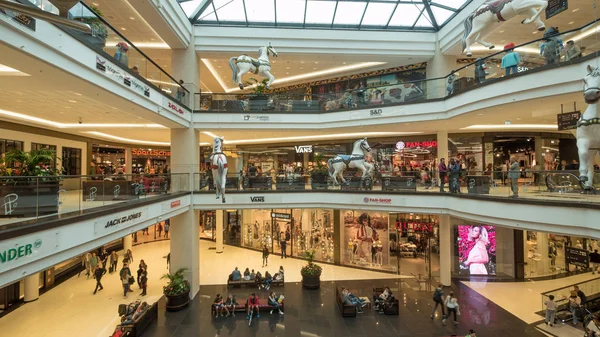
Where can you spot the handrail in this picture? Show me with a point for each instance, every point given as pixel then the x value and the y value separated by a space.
pixel 131 44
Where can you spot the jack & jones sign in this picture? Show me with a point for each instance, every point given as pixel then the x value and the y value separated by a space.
pixel 119 221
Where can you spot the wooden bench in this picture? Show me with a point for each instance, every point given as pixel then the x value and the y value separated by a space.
pixel 389 307
pixel 347 310
pixel 142 322
pixel 253 283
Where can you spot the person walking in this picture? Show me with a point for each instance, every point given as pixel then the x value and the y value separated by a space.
pixel 141 267
pixel 159 229
pixel 438 299
pixel 283 245
pixel 443 171
pixel 513 174
pixel 453 307
pixel 111 259
pixel 550 310
pixel 100 271
pixel 125 276
pixel 94 261
pixel 144 280
pixel 128 257
pixel 265 256
pixel 167 227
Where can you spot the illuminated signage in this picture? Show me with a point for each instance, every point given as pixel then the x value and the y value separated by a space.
pixel 304 149
pixel 150 153
pixel 414 145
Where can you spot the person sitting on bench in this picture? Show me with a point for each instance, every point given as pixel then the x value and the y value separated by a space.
pixel 384 297
pixel 259 280
pixel 274 301
pixel 247 275
pixel 267 281
pixel 350 299
pixel 129 320
pixel 220 306
pixel 230 304
pixel 253 305
pixel 236 275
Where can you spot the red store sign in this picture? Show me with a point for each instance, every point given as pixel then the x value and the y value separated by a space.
pixel 175 108
pixel 411 145
pixel 175 203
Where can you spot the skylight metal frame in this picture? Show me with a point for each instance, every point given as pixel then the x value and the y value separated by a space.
pixel 207 7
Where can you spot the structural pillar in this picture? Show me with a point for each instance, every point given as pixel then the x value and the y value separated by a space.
pixel 32 287
pixel 185 66
pixel 184 231
pixel 339 247
pixel 219 218
pixel 539 159
pixel 127 242
pixel 439 66
pixel 445 232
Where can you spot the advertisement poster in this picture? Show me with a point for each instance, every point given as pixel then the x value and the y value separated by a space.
pixel 477 249
pixel 366 234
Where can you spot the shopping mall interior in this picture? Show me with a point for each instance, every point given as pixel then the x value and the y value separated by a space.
pixel 376 158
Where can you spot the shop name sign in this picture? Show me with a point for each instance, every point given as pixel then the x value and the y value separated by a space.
pixel 27 248
pixel 577 257
pixel 19 251
pixel 257 199
pixel 283 216
pixel 150 153
pixel 304 149
pixel 413 145
pixel 25 20
pixel 385 201
pixel 119 221
pixel 123 219
pixel 119 75
pixel 175 108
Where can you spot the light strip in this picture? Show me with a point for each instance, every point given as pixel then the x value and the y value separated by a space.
pixel 328 136
pixel 126 140
pixel 511 126
pixel 526 50
pixel 6 70
pixel 76 125
pixel 361 65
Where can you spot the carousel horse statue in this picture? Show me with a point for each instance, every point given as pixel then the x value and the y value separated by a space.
pixel 218 163
pixel 336 165
pixel 492 11
pixel 262 66
pixel 588 129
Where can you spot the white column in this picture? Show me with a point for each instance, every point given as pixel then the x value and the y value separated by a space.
pixel 32 287
pixel 439 66
pixel 185 66
pixel 219 218
pixel 127 242
pixel 128 161
pixel 184 231
pixel 445 232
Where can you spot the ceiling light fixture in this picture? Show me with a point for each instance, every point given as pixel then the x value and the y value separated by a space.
pixel 126 140
pixel 313 137
pixel 8 71
pixel 511 126
pixel 212 70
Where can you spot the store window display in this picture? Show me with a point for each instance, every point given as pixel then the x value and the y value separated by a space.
pixel 545 252
pixel 207 225
pixel 313 230
pixel 257 229
pixel 366 234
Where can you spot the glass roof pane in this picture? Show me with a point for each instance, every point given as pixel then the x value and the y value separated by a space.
pixel 377 14
pixel 349 13
pixel 405 15
pixel 230 10
pixel 451 3
pixel 290 11
pixel 260 10
pixel 441 15
pixel 424 21
pixel 208 16
pixel 320 11
pixel 189 7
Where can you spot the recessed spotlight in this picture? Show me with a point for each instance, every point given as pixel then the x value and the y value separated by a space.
pixel 287 67
pixel 479 114
pixel 152 39
pixel 76 93
pixel 301 68
pixel 217 66
pixel 96 4
pixel 575 10
pixel 518 118
pixel 316 62
pixel 72 101
pixel 123 28
pixel 572 22
pixel 535 32
pixel 131 18
pixel 302 62
pixel 501 31
pixel 343 62
pixel 287 73
pixel 502 41
pixel 314 68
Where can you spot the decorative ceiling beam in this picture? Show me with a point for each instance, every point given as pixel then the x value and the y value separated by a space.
pixel 200 10
pixel 391 16
pixel 431 17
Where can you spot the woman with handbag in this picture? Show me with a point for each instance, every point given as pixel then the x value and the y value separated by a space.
pixel 452 305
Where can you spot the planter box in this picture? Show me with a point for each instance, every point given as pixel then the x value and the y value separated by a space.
pixel 398 183
pixel 179 302
pixel 319 181
pixel 29 199
pixel 311 282
pixel 290 184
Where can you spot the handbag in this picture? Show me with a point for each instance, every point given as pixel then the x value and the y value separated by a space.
pixel 131 280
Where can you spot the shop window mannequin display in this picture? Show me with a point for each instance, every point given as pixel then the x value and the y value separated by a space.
pixel 552 251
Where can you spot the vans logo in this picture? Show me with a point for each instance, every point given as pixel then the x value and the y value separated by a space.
pixel 304 149
pixel 257 199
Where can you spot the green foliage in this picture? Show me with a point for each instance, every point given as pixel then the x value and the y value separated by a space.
pixel 320 169
pixel 37 163
pixel 260 87
pixel 177 284
pixel 311 269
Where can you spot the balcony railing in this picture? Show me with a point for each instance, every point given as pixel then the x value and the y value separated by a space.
pixel 30 198
pixel 104 39
pixel 537 185
pixel 470 76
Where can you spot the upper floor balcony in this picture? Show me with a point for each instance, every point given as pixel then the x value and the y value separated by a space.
pixel 482 83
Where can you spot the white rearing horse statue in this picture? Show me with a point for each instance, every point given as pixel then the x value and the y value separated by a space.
pixel 588 128
pixel 262 66
pixel 360 150
pixel 218 162
pixel 493 11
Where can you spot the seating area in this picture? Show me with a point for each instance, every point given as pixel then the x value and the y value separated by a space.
pixel 253 280
pixel 253 283
pixel 139 321
pixel 347 310
pixel 243 307
pixel 387 307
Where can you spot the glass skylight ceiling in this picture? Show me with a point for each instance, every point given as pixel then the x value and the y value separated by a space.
pixel 345 14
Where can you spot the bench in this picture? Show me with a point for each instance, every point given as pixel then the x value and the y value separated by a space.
pixel 142 322
pixel 263 306
pixel 347 310
pixel 252 283
pixel 389 307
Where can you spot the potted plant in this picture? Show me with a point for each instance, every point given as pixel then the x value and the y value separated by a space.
pixel 98 35
pixel 311 273
pixel 258 101
pixel 29 184
pixel 319 174
pixel 177 291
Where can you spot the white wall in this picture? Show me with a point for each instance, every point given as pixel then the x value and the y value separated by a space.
pixel 29 138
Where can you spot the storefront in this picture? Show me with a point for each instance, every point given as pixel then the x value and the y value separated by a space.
pixel 403 156
pixel 107 160
pixel 150 161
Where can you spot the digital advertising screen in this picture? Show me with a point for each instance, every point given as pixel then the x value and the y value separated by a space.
pixel 477 249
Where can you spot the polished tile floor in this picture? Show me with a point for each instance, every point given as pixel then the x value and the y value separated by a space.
pixel 311 313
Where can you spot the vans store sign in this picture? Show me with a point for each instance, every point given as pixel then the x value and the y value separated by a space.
pixel 304 149
pixel 119 221
pixel 26 249
pixel 121 76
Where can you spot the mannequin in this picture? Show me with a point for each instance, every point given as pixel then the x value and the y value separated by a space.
pixel 552 255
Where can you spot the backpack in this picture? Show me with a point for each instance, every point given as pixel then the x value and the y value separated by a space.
pixel 437 295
